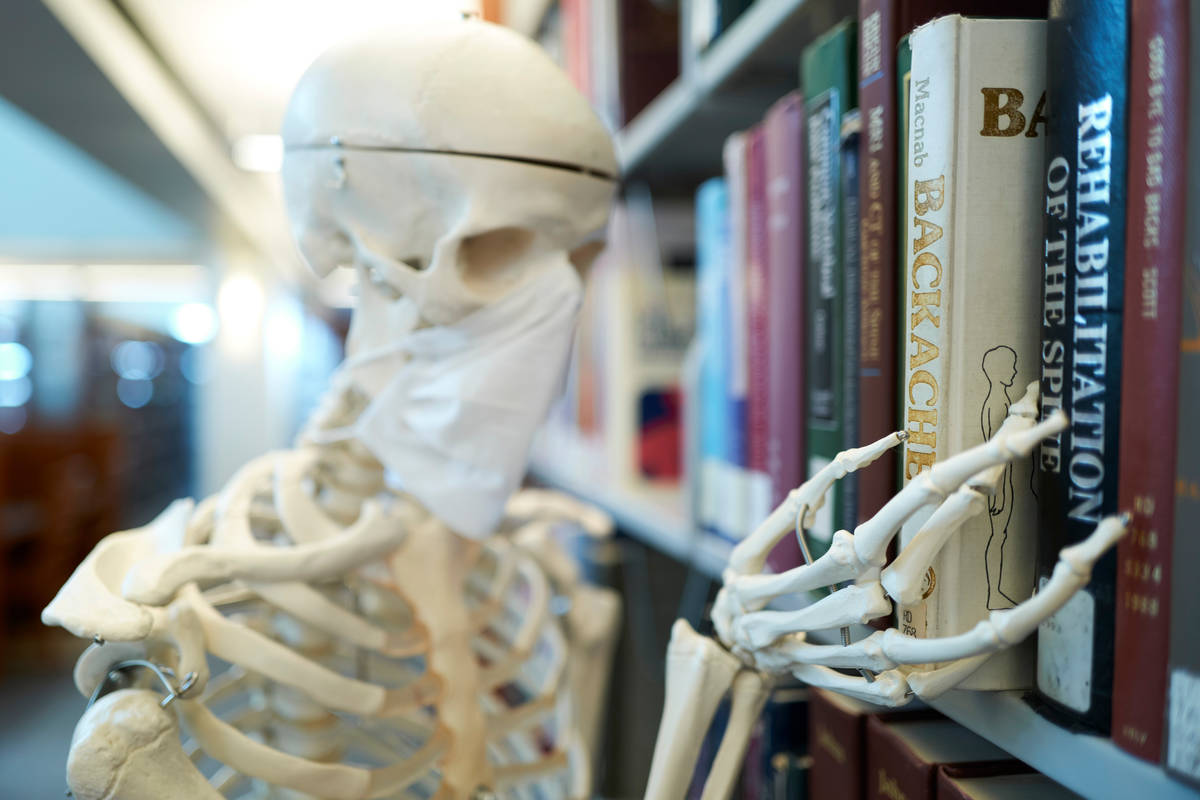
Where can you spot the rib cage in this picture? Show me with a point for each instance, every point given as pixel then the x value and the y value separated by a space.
pixel 322 709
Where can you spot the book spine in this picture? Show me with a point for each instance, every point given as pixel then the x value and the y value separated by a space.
pixel 879 267
pixel 734 494
pixel 837 745
pixel 930 198
pixel 1150 379
pixel 972 304
pixel 783 129
pixel 1181 753
pixel 758 289
pixel 851 330
pixel 830 91
pixel 712 323
pixel 1084 282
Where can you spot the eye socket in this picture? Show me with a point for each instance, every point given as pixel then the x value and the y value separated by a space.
pixel 490 261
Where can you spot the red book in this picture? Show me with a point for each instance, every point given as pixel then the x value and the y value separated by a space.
pixel 903 756
pixel 783 132
pixel 758 342
pixel 1154 253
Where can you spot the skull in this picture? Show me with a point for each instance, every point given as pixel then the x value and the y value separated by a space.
pixel 444 162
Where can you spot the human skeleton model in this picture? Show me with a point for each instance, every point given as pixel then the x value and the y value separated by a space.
pixel 756 643
pixel 356 617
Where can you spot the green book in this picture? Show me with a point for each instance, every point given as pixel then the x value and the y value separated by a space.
pixel 903 78
pixel 829 81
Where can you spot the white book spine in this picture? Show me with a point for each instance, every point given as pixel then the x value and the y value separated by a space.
pixel 972 283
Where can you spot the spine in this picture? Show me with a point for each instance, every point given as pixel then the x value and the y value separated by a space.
pixel 733 501
pixel 758 289
pixel 1150 380
pixel 783 129
pixel 928 278
pixel 1181 754
pixel 830 91
pixel 1084 280
pixel 878 270
pixel 851 331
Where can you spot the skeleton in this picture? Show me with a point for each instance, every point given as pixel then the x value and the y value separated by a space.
pixel 756 644
pixel 357 617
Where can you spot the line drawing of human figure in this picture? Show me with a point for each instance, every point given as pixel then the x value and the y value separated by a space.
pixel 1000 368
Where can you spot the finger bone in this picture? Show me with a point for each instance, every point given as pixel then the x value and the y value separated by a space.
pixel 852 604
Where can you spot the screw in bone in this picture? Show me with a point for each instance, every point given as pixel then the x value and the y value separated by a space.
pixel 808 559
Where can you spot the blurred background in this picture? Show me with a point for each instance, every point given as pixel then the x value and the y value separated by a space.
pixel 158 330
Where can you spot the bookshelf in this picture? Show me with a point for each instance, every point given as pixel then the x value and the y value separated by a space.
pixel 674 144
pixel 1090 765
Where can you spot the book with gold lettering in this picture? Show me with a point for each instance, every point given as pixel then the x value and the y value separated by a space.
pixel 972 280
pixel 903 756
pixel 1083 208
pixel 837 741
pixel 1158 103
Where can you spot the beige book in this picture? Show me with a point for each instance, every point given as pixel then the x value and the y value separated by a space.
pixel 972 284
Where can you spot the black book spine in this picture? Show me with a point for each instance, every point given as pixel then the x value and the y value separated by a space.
pixel 1084 274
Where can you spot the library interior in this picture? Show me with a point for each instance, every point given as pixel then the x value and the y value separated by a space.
pixel 567 399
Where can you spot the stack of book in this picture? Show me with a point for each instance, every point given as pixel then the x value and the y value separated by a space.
pixel 961 202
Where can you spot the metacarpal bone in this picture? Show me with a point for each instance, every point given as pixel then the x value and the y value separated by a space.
pixel 838 564
pixel 794 649
pixel 851 604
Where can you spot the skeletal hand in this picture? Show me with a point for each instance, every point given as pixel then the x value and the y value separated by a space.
pixel 957 489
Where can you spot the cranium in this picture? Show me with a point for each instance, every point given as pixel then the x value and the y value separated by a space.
pixel 442 174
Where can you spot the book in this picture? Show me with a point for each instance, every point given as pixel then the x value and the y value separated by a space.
pixel 956 783
pixel 882 24
pixel 712 328
pixel 1150 376
pixel 878 265
pixel 851 327
pixel 758 333
pixel 1181 753
pixel 837 731
pixel 648 53
pixel 734 500
pixel 830 90
pixel 903 755
pixel 972 285
pixel 777 757
pixel 1084 286
pixel 783 135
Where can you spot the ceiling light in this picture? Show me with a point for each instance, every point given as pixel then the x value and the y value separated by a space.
pixel 258 152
